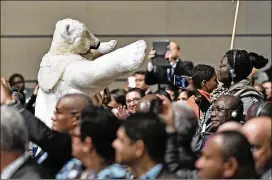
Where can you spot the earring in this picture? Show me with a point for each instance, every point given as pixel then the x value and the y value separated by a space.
pixel 234 114
pixel 233 75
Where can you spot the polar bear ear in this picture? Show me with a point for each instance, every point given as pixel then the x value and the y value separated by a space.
pixel 66 33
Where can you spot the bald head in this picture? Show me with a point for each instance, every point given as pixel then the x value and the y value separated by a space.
pixel 258 132
pixel 145 103
pixel 68 111
pixel 228 149
pixel 231 101
pixel 258 126
pixel 226 108
pixel 235 104
pixel 230 126
pixel 76 102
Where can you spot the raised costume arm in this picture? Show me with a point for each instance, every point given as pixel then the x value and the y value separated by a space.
pixel 106 69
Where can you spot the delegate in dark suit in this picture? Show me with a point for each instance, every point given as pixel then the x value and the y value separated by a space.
pixel 57 145
pixel 165 75
pixel 16 162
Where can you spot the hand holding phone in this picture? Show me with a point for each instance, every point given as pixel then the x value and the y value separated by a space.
pixel 151 54
pixel 181 81
pixel 185 83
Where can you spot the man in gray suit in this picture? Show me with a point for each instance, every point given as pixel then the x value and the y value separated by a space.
pixel 15 160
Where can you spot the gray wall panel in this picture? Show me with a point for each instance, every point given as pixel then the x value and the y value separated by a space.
pixel 125 17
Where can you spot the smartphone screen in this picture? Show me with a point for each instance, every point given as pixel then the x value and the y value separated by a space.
pixel 180 81
pixel 131 82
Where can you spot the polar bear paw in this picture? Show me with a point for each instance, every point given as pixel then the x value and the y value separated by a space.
pixel 126 59
pixel 139 51
pixel 106 47
pixel 131 56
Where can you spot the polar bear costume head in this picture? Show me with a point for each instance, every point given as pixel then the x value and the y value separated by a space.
pixel 73 37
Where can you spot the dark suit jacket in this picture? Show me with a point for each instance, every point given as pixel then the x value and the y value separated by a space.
pixel 30 170
pixel 57 145
pixel 159 74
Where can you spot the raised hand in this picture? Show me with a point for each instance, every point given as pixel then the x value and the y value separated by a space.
pixel 5 92
pixel 191 87
pixel 151 54
pixel 121 114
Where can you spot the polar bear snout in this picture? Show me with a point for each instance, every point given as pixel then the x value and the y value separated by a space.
pixel 95 45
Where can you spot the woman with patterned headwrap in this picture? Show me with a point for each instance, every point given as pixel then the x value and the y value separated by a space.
pixel 232 73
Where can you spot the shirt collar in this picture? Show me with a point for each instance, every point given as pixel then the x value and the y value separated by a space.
pixel 14 166
pixel 153 173
pixel 114 171
pixel 205 94
pixel 148 91
pixel 174 64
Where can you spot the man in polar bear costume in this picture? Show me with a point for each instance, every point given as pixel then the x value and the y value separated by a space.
pixel 64 69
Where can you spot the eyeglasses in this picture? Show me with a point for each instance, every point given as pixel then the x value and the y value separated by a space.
pixel 132 100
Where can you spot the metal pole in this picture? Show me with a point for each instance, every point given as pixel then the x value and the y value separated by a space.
pixel 234 24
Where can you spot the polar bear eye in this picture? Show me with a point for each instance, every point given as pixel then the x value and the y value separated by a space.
pixel 68 29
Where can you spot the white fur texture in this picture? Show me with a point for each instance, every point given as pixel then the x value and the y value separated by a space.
pixel 64 70
pixel 106 47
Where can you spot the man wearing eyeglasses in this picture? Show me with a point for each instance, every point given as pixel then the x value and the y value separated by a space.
pixel 57 145
pixel 133 95
pixel 66 119
pixel 226 108
pixel 132 98
pixel 162 75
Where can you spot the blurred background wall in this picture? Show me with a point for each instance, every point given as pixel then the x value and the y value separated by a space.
pixel 202 28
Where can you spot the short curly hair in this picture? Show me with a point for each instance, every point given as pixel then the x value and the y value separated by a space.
pixel 200 73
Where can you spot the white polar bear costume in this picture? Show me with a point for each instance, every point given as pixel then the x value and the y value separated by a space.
pixel 64 70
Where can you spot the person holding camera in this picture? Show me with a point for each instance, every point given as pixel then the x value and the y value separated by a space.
pixel 161 75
